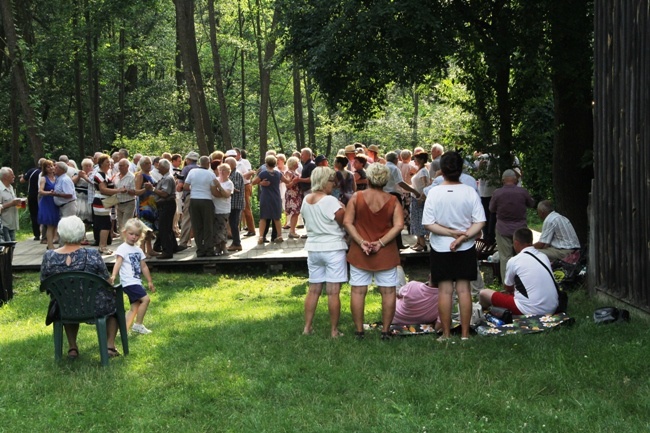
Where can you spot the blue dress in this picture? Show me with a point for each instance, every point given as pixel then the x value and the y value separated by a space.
pixel 270 198
pixel 48 212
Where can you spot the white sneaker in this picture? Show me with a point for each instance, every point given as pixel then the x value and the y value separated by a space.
pixel 140 329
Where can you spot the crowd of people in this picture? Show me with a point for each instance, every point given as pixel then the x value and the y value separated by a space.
pixel 353 212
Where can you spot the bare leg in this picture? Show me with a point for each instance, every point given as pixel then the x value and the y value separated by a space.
pixel 103 238
pixel 388 300
pixel 111 331
pixel 130 315
pixel 50 234
pixel 485 297
pixel 311 302
pixel 334 308
pixel 71 331
pixel 278 227
pixel 262 228
pixel 465 306
pixel 357 304
pixel 293 223
pixel 142 309
pixel 445 290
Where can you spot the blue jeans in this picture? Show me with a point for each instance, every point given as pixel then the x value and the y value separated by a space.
pixel 8 235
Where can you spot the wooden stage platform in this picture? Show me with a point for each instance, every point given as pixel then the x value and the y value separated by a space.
pixel 28 255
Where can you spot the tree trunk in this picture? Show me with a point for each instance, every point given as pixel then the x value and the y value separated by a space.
pixel 93 81
pixel 180 85
pixel 311 121
pixel 275 124
pixel 77 84
pixel 298 118
pixel 218 78
pixel 15 126
pixel 193 78
pixel 416 115
pixel 20 80
pixel 571 73
pixel 264 56
pixel 121 85
pixel 243 77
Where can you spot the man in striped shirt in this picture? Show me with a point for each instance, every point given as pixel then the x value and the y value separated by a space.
pixel 558 238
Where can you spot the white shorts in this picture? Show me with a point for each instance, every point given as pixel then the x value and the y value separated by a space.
pixel 361 277
pixel 327 266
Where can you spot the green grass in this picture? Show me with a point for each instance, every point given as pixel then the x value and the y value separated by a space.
pixel 226 355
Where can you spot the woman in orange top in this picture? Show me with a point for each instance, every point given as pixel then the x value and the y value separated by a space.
pixel 373 219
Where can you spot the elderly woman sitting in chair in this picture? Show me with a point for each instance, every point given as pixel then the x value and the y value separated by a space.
pixel 73 257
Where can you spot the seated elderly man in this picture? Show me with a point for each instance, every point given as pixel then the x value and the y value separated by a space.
pixel 529 284
pixel 416 303
pixel 558 238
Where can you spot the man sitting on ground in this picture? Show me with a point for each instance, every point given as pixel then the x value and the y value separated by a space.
pixel 558 238
pixel 529 284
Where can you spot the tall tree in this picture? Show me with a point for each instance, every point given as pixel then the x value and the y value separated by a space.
pixel 298 118
pixel 218 77
pixel 571 73
pixel 265 40
pixel 193 78
pixel 20 79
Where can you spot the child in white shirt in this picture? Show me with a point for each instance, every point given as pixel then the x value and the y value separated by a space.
pixel 131 266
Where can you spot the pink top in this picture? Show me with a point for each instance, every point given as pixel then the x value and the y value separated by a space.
pixel 417 303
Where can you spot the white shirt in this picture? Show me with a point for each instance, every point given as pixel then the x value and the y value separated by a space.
pixel 221 204
pixel 456 207
pixel 323 232
pixel 243 167
pixel 201 180
pixel 63 184
pixel 464 179
pixel 131 269
pixel 535 292
pixel 558 232
pixel 394 178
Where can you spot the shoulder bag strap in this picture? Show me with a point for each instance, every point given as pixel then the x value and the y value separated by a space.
pixel 544 266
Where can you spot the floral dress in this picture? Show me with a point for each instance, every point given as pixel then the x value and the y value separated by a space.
pixel 293 196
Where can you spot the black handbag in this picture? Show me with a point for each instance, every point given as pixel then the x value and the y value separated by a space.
pixel 562 297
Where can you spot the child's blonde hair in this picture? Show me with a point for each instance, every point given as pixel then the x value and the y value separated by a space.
pixel 137 226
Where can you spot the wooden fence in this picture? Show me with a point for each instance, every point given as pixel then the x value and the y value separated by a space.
pixel 620 205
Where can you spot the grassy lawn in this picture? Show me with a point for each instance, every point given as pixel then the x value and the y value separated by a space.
pixel 226 355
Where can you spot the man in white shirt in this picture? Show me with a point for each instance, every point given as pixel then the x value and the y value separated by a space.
pixel 64 193
pixel 558 238
pixel 246 170
pixel 529 284
pixel 8 205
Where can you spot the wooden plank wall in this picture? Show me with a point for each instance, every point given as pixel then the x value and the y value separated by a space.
pixel 620 260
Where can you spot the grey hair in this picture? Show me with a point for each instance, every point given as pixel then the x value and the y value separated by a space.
pixel 71 229
pixel 509 173
pixel 62 166
pixel 204 161
pixel 4 171
pixel 391 157
pixel 164 164
pixel 438 147
pixel 545 206
pixel 86 162
pixel 293 162
pixel 307 150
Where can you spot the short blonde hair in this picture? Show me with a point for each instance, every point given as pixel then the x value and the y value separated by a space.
pixel 293 163
pixel 377 175
pixel 319 177
pixel 224 167
pixel 135 225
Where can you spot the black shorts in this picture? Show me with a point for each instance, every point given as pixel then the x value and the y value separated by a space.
pixel 102 222
pixel 448 266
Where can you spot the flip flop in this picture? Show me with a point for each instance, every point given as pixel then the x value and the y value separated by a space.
pixel 73 353
pixel 113 353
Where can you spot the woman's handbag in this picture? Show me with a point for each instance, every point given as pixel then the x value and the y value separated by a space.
pixel 110 201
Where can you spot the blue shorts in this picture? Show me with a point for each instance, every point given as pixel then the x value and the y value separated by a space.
pixel 134 292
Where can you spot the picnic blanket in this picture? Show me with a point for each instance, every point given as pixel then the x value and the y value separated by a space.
pixel 530 324
pixel 408 330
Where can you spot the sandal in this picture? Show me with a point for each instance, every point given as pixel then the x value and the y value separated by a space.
pixel 278 240
pixel 418 247
pixel 359 335
pixel 73 353
pixel 260 241
pixel 113 353
pixel 385 336
pixel 105 251
pixel 294 236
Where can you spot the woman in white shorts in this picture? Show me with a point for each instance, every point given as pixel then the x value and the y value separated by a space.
pixel 373 219
pixel 326 248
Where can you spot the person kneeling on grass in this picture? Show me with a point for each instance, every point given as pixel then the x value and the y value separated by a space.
pixel 131 266
pixel 529 285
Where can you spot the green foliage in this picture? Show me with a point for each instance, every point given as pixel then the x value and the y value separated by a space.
pixel 147 144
